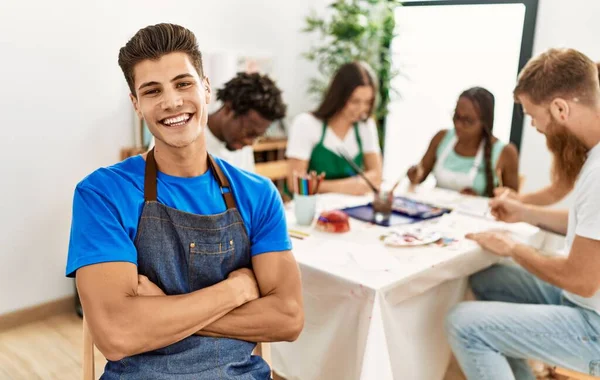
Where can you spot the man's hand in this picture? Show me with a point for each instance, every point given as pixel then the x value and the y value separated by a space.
pixel 497 242
pixel 415 174
pixel 274 317
pixel 245 280
pixel 148 288
pixel 508 210
pixel 506 192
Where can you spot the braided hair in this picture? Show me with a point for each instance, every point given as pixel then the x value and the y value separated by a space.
pixel 253 91
pixel 483 100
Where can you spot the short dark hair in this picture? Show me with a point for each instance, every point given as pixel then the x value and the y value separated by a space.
pixel 348 77
pixel 155 41
pixel 253 91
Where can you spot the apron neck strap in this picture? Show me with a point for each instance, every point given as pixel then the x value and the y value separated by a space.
pixel 358 139
pixel 150 177
pixel 151 174
pixel 223 182
pixel 356 134
pixel 324 130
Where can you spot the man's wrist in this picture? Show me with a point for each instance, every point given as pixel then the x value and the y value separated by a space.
pixel 515 249
pixel 521 250
pixel 236 284
pixel 528 214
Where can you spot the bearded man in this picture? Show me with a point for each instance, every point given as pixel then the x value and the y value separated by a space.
pixel 546 308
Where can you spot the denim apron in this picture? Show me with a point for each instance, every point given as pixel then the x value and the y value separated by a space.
pixel 182 252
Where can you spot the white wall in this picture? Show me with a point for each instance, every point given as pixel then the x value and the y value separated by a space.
pixel 560 23
pixel 436 67
pixel 65 112
pixel 65 109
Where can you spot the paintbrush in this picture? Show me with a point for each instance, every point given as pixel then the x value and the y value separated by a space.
pixel 396 184
pixel 358 170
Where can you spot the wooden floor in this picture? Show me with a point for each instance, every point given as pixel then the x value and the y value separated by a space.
pixel 46 350
pixel 51 349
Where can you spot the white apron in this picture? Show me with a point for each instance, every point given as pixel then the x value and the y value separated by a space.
pixel 448 179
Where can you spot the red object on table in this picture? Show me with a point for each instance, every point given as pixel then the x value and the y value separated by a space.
pixel 333 221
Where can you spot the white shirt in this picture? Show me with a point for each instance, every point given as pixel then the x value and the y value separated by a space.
pixel 306 130
pixel 242 158
pixel 584 217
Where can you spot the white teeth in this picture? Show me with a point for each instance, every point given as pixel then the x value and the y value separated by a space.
pixel 177 120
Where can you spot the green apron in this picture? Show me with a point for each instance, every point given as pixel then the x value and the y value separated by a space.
pixel 334 166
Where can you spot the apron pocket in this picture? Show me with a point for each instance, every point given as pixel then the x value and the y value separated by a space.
pixel 223 247
pixel 210 263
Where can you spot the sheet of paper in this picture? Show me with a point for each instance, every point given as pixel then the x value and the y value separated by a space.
pixel 474 206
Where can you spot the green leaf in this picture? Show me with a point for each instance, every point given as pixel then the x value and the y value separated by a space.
pixel 354 30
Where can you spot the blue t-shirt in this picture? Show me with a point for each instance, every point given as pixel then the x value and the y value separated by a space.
pixel 108 204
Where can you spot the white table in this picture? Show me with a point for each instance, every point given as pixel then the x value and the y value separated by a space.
pixel 375 312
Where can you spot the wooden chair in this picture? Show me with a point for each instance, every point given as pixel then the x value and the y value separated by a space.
pixel 88 353
pixel 276 171
pixel 262 349
pixel 573 375
pixel 269 154
pixel 273 170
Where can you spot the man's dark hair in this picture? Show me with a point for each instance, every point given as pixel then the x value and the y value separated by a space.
pixel 255 92
pixel 155 41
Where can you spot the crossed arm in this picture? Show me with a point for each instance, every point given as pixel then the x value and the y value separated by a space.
pixel 275 316
pixel 121 324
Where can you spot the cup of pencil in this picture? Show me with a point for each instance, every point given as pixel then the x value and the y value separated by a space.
pixel 306 188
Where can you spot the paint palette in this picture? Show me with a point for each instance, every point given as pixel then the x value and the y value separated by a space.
pixel 416 209
pixel 410 236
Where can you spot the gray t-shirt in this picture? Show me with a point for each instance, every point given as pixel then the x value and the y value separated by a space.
pixel 584 217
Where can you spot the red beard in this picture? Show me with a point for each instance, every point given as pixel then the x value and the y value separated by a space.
pixel 569 153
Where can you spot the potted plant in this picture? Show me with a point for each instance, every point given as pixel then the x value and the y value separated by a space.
pixel 354 30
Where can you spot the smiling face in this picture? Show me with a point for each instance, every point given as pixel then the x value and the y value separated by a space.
pixel 359 104
pixel 172 98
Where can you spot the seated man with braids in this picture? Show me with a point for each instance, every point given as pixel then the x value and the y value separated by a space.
pixel 251 102
pixel 469 158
